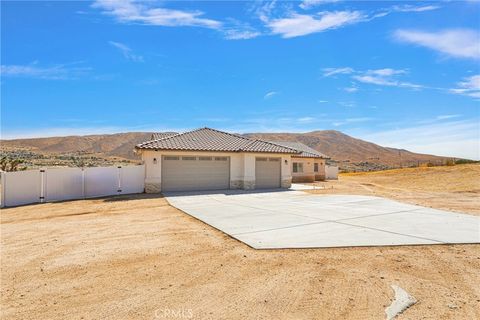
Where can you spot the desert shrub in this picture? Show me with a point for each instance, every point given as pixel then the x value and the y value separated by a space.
pixel 9 164
pixel 466 161
pixel 450 162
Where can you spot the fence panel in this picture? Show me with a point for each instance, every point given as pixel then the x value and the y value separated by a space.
pixel 132 179
pixel 24 187
pixel 21 187
pixel 63 184
pixel 101 181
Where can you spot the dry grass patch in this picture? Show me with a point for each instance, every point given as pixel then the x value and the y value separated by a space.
pixel 454 188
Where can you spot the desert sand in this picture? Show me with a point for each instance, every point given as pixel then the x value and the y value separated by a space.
pixel 136 257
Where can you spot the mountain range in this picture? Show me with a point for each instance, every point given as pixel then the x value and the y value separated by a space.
pixel 340 147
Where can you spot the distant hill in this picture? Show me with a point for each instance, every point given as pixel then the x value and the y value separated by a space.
pixel 350 152
pixel 342 147
pixel 118 144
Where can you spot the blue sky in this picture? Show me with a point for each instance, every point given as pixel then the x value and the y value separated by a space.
pixel 401 74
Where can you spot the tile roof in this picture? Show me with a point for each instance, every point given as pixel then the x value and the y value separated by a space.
pixel 307 152
pixel 206 139
pixel 161 135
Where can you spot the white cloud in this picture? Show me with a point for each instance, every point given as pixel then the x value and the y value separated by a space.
pixel 404 8
pixel 386 72
pixel 411 8
pixel 241 34
pixel 307 4
pixel 57 72
pixel 460 43
pixel 439 118
pixel 238 30
pixel 328 72
pixel 351 120
pixel 322 101
pixel 374 80
pixel 270 94
pixel 470 86
pixel 447 116
pixel 263 10
pixel 385 77
pixel 348 104
pixel 306 119
pixel 128 11
pixel 301 24
pixel 452 138
pixel 351 89
pixel 126 51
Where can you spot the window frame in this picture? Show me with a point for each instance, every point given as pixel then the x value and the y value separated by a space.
pixel 297 167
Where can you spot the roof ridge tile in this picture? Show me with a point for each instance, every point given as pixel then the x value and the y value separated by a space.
pixel 208 139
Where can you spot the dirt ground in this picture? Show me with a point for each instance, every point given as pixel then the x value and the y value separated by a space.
pixel 455 188
pixel 136 257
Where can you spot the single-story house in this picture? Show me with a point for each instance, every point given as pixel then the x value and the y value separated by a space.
pixel 208 159
pixel 307 166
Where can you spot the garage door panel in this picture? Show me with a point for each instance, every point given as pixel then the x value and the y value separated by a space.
pixel 267 172
pixel 195 173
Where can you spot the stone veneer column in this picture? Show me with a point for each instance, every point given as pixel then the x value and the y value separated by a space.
pixel 236 184
pixel 153 186
pixel 286 182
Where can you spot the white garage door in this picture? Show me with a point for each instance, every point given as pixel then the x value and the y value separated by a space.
pixel 267 173
pixel 189 173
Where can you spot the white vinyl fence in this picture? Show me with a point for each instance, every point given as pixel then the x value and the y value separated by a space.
pixel 331 172
pixel 32 186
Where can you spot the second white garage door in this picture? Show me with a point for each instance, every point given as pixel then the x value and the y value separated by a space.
pixel 267 173
pixel 190 173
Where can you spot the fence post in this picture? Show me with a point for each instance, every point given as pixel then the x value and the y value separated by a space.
pixel 83 182
pixel 119 189
pixel 42 185
pixel 3 177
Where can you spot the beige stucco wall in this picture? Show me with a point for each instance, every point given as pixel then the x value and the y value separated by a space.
pixel 308 174
pixel 331 172
pixel 242 167
pixel 320 175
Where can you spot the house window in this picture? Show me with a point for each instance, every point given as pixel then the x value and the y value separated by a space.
pixel 297 167
pixel 315 167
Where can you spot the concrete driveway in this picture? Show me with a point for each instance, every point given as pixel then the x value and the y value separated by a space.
pixel 294 219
